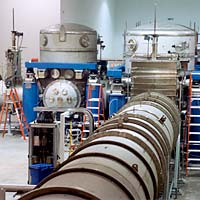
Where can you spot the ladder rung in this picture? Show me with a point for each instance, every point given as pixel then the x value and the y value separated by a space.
pixel 96 108
pixel 86 131
pixel 195 89
pixel 194 133
pixel 94 99
pixel 94 84
pixel 95 115
pixel 195 107
pixel 195 98
pixel 194 142
pixel 195 94
pixel 194 150
pixel 191 124
pixel 194 168
pixel 9 101
pixel 193 159
pixel 194 115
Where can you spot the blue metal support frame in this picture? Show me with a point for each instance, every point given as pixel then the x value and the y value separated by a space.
pixel 116 72
pixel 52 65
pixel 196 75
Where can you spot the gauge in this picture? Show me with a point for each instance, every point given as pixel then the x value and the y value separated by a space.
pixel 55 73
pixel 132 45
pixel 84 40
pixel 69 74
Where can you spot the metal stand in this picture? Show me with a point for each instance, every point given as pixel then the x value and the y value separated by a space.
pixel 84 111
pixel 167 185
pixel 9 123
pixel 174 185
pixel 2 194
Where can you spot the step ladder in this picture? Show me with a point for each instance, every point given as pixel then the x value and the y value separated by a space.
pixel 95 102
pixel 193 127
pixel 11 99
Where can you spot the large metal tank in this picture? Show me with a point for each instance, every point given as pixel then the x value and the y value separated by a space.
pixel 127 158
pixel 68 43
pixel 171 38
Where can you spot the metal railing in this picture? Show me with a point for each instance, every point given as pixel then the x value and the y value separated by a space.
pixel 4 188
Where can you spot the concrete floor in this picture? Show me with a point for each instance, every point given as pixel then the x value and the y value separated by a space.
pixel 13 161
pixel 191 188
pixel 14 168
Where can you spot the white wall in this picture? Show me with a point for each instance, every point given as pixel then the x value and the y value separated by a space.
pixel 108 17
pixel 30 17
pixel 183 11
pixel 110 21
pixel 97 14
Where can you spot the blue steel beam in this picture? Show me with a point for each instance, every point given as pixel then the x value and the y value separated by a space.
pixel 53 65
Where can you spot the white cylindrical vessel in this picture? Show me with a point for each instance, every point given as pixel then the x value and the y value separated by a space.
pixel 170 39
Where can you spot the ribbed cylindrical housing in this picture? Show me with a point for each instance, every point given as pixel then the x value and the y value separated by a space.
pixel 126 158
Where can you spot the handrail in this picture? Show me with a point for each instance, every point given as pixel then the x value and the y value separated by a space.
pixel 14 188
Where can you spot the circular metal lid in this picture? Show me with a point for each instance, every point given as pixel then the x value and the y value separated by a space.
pixel 62 94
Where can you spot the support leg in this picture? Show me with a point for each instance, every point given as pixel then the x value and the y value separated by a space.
pixel 5 121
pixel 2 194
